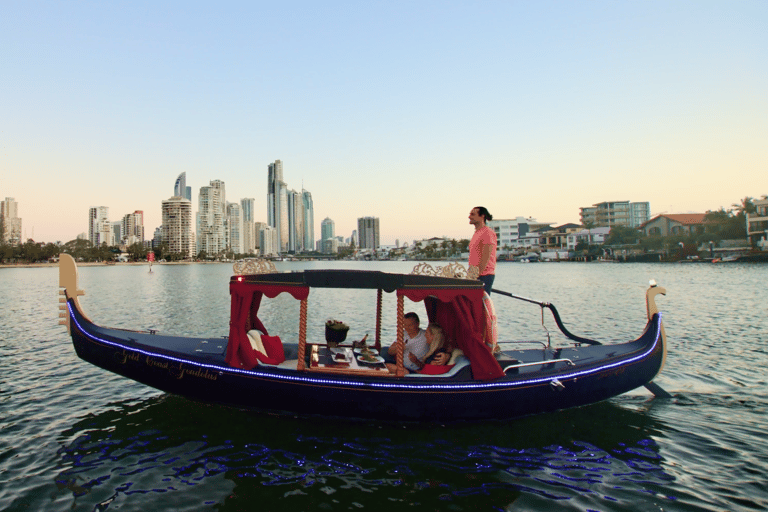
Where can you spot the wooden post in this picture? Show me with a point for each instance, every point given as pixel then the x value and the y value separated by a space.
pixel 302 334
pixel 377 345
pixel 400 338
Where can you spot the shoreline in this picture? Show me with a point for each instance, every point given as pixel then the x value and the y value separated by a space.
pixel 102 264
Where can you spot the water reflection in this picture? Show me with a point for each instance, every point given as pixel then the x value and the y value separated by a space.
pixel 142 452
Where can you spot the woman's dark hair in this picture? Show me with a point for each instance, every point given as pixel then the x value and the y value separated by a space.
pixel 481 210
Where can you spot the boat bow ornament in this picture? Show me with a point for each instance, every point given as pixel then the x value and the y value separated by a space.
pixel 454 269
pixel 250 266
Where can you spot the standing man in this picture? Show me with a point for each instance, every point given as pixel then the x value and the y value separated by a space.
pixel 482 248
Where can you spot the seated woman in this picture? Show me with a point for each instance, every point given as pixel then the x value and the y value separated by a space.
pixel 441 353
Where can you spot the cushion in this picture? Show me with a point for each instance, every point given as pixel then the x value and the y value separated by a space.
pixel 254 336
pixel 274 348
pixel 264 349
pixel 436 369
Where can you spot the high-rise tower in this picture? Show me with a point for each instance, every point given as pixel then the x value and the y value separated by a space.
pixel 368 232
pixel 10 221
pixel 181 189
pixel 177 226
pixel 99 227
pixel 309 221
pixel 211 213
pixel 250 235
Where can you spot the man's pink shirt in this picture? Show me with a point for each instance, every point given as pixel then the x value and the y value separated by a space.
pixel 483 236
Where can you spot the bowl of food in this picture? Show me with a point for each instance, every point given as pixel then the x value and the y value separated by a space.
pixel 335 332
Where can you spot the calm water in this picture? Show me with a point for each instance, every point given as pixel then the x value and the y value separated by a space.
pixel 73 437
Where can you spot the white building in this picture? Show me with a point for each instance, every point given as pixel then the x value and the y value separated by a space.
pixel 250 234
pixel 258 227
pixel 132 228
pixel 291 213
pixel 269 241
pixel 517 233
pixel 327 229
pixel 211 214
pixel 295 222
pixel 616 213
pixel 757 224
pixel 177 226
pixel 11 223
pixel 309 220
pixel 593 236
pixel 329 246
pixel 234 228
pixel 368 232
pixel 99 227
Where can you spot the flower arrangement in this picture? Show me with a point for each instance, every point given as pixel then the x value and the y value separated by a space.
pixel 335 332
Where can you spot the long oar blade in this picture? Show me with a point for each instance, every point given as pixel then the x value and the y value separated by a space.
pixel 657 391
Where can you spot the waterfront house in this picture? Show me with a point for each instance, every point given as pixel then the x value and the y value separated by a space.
pixel 517 234
pixel 675 224
pixel 551 239
pixel 757 224
pixel 592 236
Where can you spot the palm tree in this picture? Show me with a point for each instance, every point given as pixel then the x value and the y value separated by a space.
pixel 746 206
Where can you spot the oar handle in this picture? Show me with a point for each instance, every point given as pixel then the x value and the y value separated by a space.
pixel 555 314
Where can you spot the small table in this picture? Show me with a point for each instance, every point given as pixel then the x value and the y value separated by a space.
pixel 321 359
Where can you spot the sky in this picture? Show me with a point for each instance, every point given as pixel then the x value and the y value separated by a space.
pixel 410 111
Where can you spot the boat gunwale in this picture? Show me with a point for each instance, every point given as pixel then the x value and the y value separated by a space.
pixel 436 384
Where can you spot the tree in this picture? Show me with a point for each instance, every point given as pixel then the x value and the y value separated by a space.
pixel 746 205
pixel 137 251
pixel 725 225
pixel 161 251
pixel 31 251
pixel 78 248
pixel 623 235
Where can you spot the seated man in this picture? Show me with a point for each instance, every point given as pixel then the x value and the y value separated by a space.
pixel 415 342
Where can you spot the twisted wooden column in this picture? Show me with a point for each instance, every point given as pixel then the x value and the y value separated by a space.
pixel 377 345
pixel 400 338
pixel 302 334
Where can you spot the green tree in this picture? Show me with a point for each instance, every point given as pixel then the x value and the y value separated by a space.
pixel 78 248
pixel 745 206
pixel 161 251
pixel 725 224
pixel 623 235
pixel 6 252
pixel 137 251
pixel 31 251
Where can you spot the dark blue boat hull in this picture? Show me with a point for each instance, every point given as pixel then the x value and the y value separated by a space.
pixel 195 368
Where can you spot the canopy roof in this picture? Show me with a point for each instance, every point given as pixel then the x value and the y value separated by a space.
pixel 455 304
pixel 362 279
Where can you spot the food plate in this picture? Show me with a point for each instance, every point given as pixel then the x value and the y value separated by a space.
pixel 378 359
pixel 359 351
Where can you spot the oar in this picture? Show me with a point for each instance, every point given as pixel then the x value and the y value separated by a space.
pixel 651 386
pixel 555 314
pixel 656 390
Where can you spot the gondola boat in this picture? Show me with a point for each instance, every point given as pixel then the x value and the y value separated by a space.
pixel 298 377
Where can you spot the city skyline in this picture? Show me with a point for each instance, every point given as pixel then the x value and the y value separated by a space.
pixel 384 110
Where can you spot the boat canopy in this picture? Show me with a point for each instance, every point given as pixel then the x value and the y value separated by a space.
pixel 454 304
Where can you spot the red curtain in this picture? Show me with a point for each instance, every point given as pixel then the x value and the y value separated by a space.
pixel 244 316
pixel 460 313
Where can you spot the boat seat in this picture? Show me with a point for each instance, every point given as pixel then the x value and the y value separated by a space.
pixel 263 349
pixel 288 364
pixel 461 362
